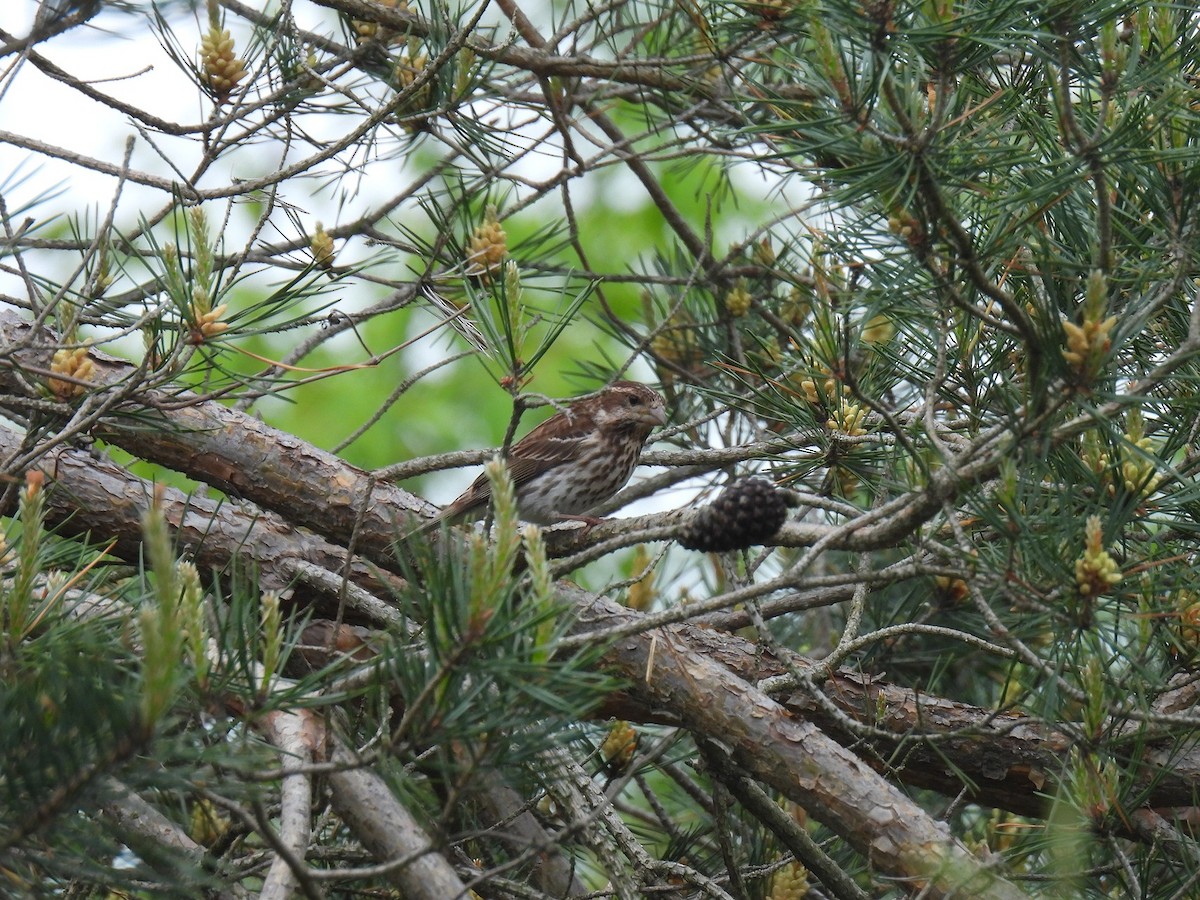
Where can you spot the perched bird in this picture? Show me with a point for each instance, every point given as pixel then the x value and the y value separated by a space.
pixel 576 459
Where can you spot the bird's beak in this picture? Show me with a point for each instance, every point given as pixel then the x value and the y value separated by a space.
pixel 657 415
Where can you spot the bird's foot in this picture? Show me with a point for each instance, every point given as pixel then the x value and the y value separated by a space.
pixel 589 522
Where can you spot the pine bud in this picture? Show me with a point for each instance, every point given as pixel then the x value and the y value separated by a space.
pixel 208 325
pixel 1095 571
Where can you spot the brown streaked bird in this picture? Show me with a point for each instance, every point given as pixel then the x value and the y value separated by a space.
pixel 576 459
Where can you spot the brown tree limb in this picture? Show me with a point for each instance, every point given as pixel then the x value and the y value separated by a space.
pixel 1004 760
pixel 366 804
pixel 230 450
pixel 154 837
pixel 794 756
pixel 94 495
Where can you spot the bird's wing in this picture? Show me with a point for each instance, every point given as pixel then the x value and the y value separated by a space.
pixel 551 444
pixel 539 451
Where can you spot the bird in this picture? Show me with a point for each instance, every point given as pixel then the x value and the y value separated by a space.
pixel 576 459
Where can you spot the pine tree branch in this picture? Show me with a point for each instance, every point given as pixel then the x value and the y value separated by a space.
pixel 230 450
pixel 154 837
pixel 367 805
pixel 793 756
pixel 95 496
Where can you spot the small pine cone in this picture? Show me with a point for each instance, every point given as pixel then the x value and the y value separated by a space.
pixel 677 344
pixel 619 747
pixel 366 31
pixel 487 246
pixel 222 68
pixel 739 300
pixel 73 363
pixel 747 512
pixel 322 248
pixel 764 253
pixel 789 883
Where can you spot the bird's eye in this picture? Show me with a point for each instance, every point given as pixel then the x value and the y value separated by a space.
pixel 634 400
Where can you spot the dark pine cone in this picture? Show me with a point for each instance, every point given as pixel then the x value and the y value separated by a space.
pixel 747 512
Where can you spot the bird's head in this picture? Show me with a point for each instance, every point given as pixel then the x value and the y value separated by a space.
pixel 630 403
